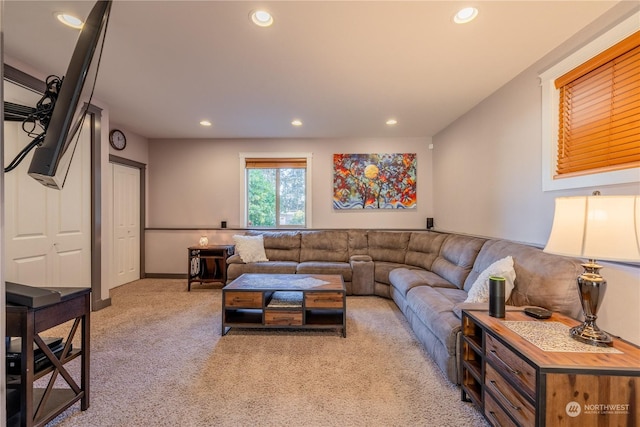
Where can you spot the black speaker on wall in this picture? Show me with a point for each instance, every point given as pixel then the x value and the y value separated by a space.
pixel 429 223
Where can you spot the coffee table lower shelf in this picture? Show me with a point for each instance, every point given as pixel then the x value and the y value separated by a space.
pixel 253 319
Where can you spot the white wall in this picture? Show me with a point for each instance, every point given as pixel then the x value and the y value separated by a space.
pixel 488 179
pixel 166 250
pixel 194 184
pixel 137 148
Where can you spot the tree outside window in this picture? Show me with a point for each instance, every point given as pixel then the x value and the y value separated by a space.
pixel 276 197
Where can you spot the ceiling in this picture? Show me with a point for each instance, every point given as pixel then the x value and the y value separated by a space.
pixel 341 67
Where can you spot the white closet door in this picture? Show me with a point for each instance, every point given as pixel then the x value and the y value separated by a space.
pixel 126 224
pixel 48 232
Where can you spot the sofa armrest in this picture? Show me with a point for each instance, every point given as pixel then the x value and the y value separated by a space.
pixel 362 281
pixel 235 259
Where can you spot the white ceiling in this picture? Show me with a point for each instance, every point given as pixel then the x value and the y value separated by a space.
pixel 342 67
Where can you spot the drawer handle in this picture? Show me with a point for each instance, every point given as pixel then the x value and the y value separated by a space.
pixel 495 386
pixel 326 299
pixel 505 364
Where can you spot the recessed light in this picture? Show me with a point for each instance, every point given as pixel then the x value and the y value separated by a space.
pixel 465 15
pixel 261 18
pixel 70 20
pixel 392 122
pixel 296 122
pixel 205 123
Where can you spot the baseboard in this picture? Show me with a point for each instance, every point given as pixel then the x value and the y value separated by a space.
pixel 100 304
pixel 165 276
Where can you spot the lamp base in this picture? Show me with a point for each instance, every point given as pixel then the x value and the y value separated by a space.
pixel 592 287
pixel 589 333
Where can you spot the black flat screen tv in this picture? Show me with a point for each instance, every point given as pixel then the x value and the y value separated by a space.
pixel 52 157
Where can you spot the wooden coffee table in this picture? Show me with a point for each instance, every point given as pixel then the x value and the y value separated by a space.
pixel 301 301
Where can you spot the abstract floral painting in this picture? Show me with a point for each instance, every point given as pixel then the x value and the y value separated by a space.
pixel 374 181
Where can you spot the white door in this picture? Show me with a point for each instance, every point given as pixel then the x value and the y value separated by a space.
pixel 48 232
pixel 126 224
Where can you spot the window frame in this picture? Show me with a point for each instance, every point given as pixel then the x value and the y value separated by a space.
pixel 550 111
pixel 244 191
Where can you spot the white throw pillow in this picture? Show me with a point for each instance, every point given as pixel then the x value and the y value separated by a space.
pixel 250 248
pixel 479 291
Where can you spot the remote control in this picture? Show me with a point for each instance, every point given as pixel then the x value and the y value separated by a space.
pixel 537 312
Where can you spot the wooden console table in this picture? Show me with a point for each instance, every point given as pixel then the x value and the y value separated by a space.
pixel 519 379
pixel 211 264
pixel 36 407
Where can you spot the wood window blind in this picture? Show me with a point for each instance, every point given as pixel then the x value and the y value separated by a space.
pixel 599 114
pixel 275 163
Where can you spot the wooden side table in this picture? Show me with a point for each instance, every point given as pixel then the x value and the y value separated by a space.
pixel 36 407
pixel 208 264
pixel 530 378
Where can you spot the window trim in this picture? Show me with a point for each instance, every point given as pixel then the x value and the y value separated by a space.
pixel 550 111
pixel 243 181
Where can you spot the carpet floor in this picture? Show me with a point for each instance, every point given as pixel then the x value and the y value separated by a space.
pixel 158 359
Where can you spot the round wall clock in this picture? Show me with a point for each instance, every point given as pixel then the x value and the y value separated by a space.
pixel 117 139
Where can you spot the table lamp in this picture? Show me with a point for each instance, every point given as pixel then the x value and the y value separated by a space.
pixel 595 227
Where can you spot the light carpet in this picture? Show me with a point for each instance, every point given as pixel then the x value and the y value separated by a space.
pixel 158 359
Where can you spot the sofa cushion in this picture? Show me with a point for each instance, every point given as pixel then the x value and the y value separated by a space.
pixel 381 271
pixel 322 267
pixel 542 279
pixel 456 258
pixel 273 267
pixel 403 279
pixel 324 246
pixel 388 246
pixel 360 258
pixel 479 291
pixel 358 242
pixel 250 248
pixel 434 306
pixel 424 248
pixel 280 245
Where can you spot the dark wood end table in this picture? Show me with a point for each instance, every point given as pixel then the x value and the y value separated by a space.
pixel 36 407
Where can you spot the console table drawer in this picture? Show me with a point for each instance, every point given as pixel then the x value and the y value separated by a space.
pixel 324 299
pixel 513 401
pixel 495 414
pixel 243 299
pixel 283 317
pixel 511 365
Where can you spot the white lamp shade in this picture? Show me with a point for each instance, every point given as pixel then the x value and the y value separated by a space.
pixel 596 227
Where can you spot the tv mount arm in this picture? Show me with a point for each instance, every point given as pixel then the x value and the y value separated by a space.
pixel 17 113
pixel 38 116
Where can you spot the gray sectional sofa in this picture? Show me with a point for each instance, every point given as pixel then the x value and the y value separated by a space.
pixel 427 274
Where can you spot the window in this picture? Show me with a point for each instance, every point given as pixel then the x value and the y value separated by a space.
pixel 591 113
pixel 599 112
pixel 276 193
